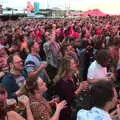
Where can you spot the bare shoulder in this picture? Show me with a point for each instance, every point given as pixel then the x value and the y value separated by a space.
pixel 12 115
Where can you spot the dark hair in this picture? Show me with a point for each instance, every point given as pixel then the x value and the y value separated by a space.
pixel 3 107
pixel 30 44
pixel 98 43
pixel 102 57
pixel 101 92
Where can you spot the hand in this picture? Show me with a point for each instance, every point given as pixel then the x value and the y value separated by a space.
pixel 2 74
pixel 110 76
pixel 84 86
pixel 56 99
pixel 61 105
pixel 116 112
pixel 113 114
pixel 24 99
pixel 43 65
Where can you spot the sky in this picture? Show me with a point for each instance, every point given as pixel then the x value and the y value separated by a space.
pixel 108 6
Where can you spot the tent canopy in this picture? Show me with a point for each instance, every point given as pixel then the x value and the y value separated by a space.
pixel 93 13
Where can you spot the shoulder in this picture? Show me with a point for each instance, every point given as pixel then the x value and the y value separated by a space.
pixel 93 65
pixel 8 77
pixel 88 115
pixel 83 115
pixel 46 45
pixel 12 115
pixel 29 57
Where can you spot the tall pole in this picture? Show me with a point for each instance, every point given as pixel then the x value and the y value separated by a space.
pixel 48 4
pixel 69 5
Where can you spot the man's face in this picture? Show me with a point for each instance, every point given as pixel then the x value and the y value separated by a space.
pixel 17 63
pixel 47 35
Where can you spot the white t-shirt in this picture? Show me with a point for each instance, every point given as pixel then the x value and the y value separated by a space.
pixel 93 114
pixel 96 71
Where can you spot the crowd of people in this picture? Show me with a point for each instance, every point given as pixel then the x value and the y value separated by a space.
pixel 63 69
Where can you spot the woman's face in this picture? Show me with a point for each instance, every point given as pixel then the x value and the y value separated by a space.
pixel 73 65
pixel 41 85
pixel 36 47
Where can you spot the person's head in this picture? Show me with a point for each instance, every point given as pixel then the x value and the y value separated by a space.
pixel 67 68
pixel 103 57
pixel 34 46
pixel 67 50
pixel 48 35
pixel 35 85
pixel 15 62
pixel 98 43
pixel 23 38
pixel 103 95
pixel 115 42
pixel 3 98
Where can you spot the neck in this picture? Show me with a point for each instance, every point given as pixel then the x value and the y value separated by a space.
pixel 34 53
pixel 16 72
pixel 106 108
pixel 38 96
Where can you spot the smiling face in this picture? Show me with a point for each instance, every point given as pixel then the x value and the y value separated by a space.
pixel 73 65
pixel 18 63
pixel 42 88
